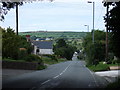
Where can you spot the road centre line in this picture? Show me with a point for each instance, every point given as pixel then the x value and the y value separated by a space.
pixel 62 71
pixel 57 75
pixel 45 81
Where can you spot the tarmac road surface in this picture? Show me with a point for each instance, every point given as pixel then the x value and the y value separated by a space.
pixel 69 74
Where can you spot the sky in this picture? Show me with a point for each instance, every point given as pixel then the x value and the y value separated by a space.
pixel 59 15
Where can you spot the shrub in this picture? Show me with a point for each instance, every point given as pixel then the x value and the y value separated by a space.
pixel 99 67
pixel 33 57
pixel 53 57
pixel 102 67
pixel 40 67
pixel 22 54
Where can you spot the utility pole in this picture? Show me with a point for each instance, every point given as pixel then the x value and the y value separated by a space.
pixel 93 39
pixel 107 32
pixel 93 20
pixel 16 18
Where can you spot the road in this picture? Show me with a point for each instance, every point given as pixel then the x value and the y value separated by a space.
pixel 70 74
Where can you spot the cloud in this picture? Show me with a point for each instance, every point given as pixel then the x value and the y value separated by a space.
pixel 69 1
pixel 56 15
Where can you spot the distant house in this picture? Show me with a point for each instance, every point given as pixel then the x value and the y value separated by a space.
pixel 43 47
pixel 28 38
pixel 40 39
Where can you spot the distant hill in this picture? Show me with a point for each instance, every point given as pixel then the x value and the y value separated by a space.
pixel 55 35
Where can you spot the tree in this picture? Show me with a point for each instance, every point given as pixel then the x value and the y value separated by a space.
pixel 0 42
pixel 12 43
pixel 114 26
pixel 6 6
pixel 95 52
pixel 64 50
pixel 61 43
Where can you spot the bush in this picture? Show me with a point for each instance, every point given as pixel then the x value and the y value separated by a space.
pixel 33 57
pixel 53 57
pixel 102 67
pixel 40 67
pixel 22 54
pixel 99 67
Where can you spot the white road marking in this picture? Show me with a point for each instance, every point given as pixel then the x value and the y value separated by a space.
pixel 33 88
pixel 57 75
pixel 62 71
pixel 93 77
pixel 45 82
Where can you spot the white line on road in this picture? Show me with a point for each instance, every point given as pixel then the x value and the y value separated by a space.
pixel 62 71
pixel 57 75
pixel 45 82
pixel 33 88
pixel 93 77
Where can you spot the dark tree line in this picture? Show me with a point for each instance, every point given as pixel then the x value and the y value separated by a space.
pixel 64 50
pixel 114 26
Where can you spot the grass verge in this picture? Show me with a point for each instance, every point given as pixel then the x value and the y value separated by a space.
pixel 11 60
pixel 41 67
pixel 99 67
pixel 48 60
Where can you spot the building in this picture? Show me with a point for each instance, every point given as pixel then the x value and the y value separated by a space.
pixel 43 47
pixel 28 38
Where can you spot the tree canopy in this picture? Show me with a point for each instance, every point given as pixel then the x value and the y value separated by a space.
pixel 6 6
pixel 94 52
pixel 114 26
pixel 64 50
pixel 11 44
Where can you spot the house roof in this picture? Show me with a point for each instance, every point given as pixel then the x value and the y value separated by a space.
pixel 43 44
pixel 40 38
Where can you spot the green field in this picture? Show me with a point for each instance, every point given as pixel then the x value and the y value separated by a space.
pixel 55 35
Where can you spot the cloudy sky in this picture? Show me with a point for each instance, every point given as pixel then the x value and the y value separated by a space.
pixel 59 15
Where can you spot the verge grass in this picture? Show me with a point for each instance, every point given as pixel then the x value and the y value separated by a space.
pixel 48 60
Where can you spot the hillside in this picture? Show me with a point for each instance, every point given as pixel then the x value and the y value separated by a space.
pixel 69 35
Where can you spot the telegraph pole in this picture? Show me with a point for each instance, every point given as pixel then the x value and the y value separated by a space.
pixel 16 18
pixel 107 32
pixel 93 20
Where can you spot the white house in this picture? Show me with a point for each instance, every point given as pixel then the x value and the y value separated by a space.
pixel 43 47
